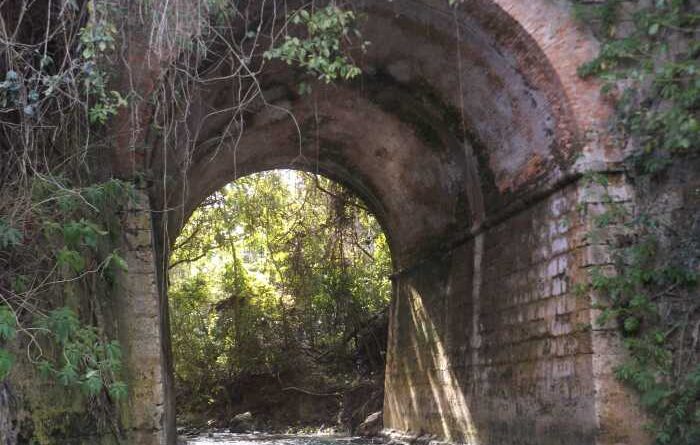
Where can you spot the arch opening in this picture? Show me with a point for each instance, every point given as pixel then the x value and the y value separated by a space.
pixel 279 293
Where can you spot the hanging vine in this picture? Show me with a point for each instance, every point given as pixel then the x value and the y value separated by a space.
pixel 66 103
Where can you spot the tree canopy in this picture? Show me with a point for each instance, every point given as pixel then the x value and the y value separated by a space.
pixel 276 273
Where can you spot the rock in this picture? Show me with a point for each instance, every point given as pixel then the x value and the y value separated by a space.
pixel 372 425
pixel 242 423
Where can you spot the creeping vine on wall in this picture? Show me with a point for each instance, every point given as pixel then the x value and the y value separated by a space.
pixel 649 64
pixel 62 263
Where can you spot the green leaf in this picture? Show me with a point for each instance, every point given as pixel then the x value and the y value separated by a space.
pixel 118 390
pixel 9 236
pixel 93 382
pixel 114 259
pixel 659 337
pixel 19 284
pixel 67 375
pixel 45 368
pixel 62 323
pixel 72 259
pixel 654 396
pixel 8 323
pixel 6 362
pixel 72 233
pixel 113 351
pixel 321 52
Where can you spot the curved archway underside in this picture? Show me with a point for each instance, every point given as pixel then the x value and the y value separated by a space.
pixel 466 135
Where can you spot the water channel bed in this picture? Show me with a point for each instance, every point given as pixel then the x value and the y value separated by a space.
pixel 276 439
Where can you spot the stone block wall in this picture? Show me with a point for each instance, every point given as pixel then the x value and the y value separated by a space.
pixel 490 343
pixel 139 330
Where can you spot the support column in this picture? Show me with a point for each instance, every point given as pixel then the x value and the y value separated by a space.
pixel 139 329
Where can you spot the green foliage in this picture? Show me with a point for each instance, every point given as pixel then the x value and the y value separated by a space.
pixel 8 323
pixel 72 259
pixel 31 90
pixel 84 358
pixel 70 219
pixel 320 52
pixel 275 267
pixel 57 246
pixel 8 330
pixel 71 228
pixel 56 195
pixel 667 386
pixel 6 361
pixel 658 109
pixel 97 38
pixel 661 97
pixel 604 13
pixel 114 259
pixel 82 233
pixel 9 236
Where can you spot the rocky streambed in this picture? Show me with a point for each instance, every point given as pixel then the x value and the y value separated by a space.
pixel 226 438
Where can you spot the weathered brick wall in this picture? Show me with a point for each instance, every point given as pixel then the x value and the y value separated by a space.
pixel 490 344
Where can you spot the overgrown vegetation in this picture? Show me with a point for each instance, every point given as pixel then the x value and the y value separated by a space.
pixel 320 52
pixel 649 64
pixel 58 222
pixel 55 267
pixel 63 109
pixel 651 294
pixel 280 274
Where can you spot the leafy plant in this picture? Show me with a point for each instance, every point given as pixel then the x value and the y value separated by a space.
pixel 6 361
pixel 97 38
pixel 274 267
pixel 84 359
pixel 320 52
pixel 659 103
pixel 74 226
pixel 8 323
pixel 657 86
pixel 667 383
pixel 8 330
pixel 9 236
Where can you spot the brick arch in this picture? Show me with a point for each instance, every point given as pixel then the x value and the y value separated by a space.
pixel 467 134
pixel 506 71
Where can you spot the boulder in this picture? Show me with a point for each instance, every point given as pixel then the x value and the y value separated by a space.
pixel 241 423
pixel 372 425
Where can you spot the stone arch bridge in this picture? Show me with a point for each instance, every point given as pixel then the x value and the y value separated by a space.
pixel 468 136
